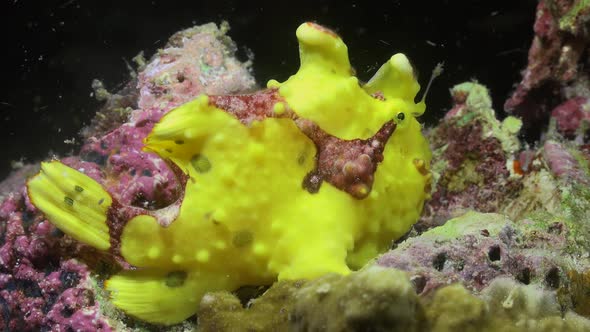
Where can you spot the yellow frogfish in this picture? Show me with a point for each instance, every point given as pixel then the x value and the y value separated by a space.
pixel 314 175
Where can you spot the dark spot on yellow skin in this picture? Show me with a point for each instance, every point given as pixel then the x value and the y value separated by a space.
pixel 301 159
pixel 79 189
pixel 201 163
pixel 69 201
pixel 242 238
pixel 175 279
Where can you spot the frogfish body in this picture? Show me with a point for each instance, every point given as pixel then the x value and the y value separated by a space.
pixel 314 175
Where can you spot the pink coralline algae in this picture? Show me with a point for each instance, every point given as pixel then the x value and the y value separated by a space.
pixel 194 61
pixel 470 163
pixel 554 59
pixel 41 286
pixel 45 278
pixel 571 115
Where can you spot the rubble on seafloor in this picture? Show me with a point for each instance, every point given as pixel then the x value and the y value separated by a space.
pixel 502 245
pixel 384 299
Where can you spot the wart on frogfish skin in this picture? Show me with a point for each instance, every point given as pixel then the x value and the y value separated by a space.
pixel 356 164
pixel 272 175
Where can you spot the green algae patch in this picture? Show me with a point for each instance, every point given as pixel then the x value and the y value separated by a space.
pixel 575 17
pixel 468 223
pixel 478 106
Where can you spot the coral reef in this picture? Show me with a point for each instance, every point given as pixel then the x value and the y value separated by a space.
pixel 502 244
pixel 472 153
pixel 477 248
pixel 555 56
pixel 114 112
pixel 195 61
pixel 41 286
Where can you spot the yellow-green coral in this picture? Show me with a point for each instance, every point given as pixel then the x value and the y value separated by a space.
pixel 246 219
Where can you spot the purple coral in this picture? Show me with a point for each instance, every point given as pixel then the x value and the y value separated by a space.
pixel 41 288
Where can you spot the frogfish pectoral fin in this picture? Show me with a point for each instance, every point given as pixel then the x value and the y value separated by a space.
pixel 73 202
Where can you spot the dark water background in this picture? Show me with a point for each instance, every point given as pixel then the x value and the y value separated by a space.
pixel 51 50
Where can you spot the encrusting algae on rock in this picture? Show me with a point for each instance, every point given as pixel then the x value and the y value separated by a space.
pixel 310 176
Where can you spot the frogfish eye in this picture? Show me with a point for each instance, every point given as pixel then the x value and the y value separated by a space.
pixel 401 116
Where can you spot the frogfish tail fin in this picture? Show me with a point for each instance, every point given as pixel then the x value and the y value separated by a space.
pixel 160 296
